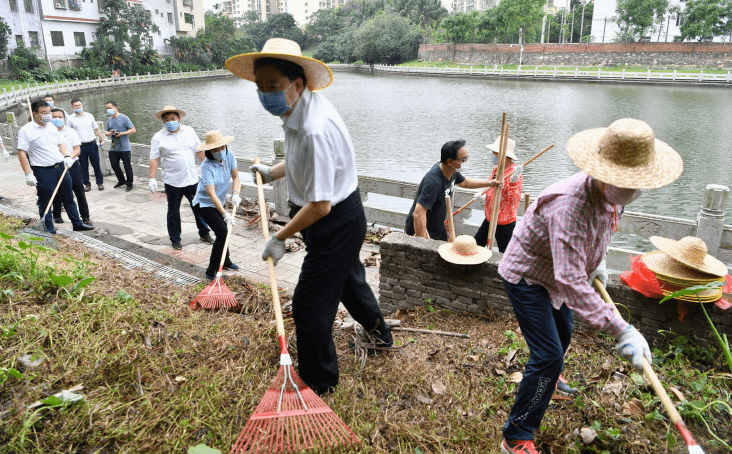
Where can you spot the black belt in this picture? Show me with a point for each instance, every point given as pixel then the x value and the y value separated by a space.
pixel 55 166
pixel 292 205
pixel 90 142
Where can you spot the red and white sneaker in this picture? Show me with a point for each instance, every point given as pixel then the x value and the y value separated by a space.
pixel 518 447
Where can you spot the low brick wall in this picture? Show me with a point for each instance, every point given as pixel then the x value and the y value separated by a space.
pixel 413 273
pixel 644 54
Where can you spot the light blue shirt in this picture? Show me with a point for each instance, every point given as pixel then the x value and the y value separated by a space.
pixel 217 174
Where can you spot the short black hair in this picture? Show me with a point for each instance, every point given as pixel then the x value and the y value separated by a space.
pixel 285 67
pixel 112 103
pixel 73 100
pixel 450 149
pixel 37 104
pixel 49 95
pixel 56 109
pixel 210 156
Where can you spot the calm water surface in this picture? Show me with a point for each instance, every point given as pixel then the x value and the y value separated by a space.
pixel 399 124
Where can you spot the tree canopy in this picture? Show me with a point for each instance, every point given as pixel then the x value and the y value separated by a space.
pixel 636 18
pixel 705 18
pixel 5 34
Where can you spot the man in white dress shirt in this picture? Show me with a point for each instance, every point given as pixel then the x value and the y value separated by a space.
pixel 175 146
pixel 86 126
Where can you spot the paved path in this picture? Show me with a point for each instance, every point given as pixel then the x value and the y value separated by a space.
pixel 139 217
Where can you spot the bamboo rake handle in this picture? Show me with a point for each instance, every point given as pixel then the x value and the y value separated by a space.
pixel 228 236
pixel 532 159
pixel 499 176
pixel 274 289
pixel 450 224
pixel 53 196
pixel 656 383
pixel 430 331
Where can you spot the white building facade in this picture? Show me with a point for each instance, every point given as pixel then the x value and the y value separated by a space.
pixel 23 18
pixel 301 10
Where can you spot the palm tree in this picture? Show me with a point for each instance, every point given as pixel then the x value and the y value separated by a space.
pixel 426 12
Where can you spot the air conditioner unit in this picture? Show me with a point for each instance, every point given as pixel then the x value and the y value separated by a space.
pixel 59 5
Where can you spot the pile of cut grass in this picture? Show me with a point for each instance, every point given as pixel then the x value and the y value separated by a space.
pixel 158 377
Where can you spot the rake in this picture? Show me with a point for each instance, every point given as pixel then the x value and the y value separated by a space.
pixel 290 418
pixel 693 446
pixel 217 294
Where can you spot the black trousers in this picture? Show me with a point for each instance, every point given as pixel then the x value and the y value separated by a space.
pixel 216 223
pixel 503 234
pixel 124 156
pixel 48 178
pixel 77 185
pixel 332 272
pixel 175 196
pixel 90 154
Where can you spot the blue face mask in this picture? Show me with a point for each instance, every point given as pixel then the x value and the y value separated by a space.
pixel 58 122
pixel 219 155
pixel 171 126
pixel 50 103
pixel 494 159
pixel 79 110
pixel 110 112
pixel 275 102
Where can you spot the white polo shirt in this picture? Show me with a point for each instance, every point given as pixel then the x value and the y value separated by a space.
pixel 320 163
pixel 70 138
pixel 177 153
pixel 41 142
pixel 84 126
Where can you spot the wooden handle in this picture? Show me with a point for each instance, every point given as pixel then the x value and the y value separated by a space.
pixel 274 289
pixel 58 185
pixel 228 236
pixel 450 223
pixel 533 158
pixel 499 176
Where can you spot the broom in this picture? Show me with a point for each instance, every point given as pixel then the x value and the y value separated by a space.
pixel 217 294
pixel 290 417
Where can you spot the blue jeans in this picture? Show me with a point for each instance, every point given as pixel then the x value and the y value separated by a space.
pixel 90 153
pixel 548 332
pixel 47 180
pixel 175 195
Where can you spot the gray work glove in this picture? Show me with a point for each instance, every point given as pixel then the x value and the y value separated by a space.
pixel 632 346
pixel 153 185
pixel 68 161
pixel 235 199
pixel 6 155
pixel 228 219
pixel 517 171
pixel 30 179
pixel 263 170
pixel 600 273
pixel 275 248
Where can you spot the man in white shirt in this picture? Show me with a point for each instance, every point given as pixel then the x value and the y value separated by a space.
pixel 43 156
pixel 326 208
pixel 72 141
pixel 175 145
pixel 86 126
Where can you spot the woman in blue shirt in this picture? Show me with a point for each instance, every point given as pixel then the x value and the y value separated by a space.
pixel 216 170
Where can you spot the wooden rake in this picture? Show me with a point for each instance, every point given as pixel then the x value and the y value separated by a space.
pixel 693 446
pixel 290 418
pixel 217 294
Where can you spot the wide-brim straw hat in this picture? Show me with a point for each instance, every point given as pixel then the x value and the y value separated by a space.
pixel 214 139
pixel 510 146
pixel 166 109
pixel 318 73
pixel 692 252
pixel 464 251
pixel 675 272
pixel 626 155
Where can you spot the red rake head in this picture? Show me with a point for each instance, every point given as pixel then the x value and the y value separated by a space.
pixel 214 296
pixel 304 423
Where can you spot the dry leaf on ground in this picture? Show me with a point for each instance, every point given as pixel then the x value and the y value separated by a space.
pixel 438 387
pixel 615 387
pixel 634 407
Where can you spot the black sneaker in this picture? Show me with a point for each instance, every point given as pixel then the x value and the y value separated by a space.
pixel 207 239
pixel 119 185
pixel 58 220
pixel 232 267
pixel 177 246
pixel 83 228
pixel 86 221
pixel 129 188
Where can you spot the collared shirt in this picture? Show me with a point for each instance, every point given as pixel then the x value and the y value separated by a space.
pixel 510 198
pixel 560 241
pixel 217 174
pixel 178 155
pixel 85 125
pixel 41 142
pixel 121 123
pixel 70 138
pixel 320 164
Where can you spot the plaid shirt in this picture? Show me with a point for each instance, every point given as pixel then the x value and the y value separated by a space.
pixel 560 241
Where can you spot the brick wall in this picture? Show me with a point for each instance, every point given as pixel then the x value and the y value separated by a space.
pixel 412 272
pixel 644 54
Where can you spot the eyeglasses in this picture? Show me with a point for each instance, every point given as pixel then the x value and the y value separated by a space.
pixel 462 161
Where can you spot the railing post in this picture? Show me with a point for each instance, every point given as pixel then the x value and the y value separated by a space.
pixel 279 186
pixel 674 75
pixel 710 221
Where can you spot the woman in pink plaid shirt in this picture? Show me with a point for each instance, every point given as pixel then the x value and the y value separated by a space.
pixel 559 248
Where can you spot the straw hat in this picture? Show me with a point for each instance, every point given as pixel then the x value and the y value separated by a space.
pixel 464 251
pixel 675 272
pixel 318 73
pixel 166 109
pixel 626 155
pixel 510 146
pixel 214 139
pixel 692 252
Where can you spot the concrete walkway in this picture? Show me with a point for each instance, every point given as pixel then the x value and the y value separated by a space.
pixel 138 218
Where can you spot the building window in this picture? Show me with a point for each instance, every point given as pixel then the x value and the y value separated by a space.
pixel 170 18
pixel 28 6
pixel 59 4
pixel 188 18
pixel 34 42
pixel 14 5
pixel 79 39
pixel 680 20
pixel 19 41
pixel 57 39
pixel 157 12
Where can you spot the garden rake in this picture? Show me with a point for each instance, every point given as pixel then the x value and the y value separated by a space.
pixel 290 418
pixel 36 232
pixel 693 446
pixel 217 294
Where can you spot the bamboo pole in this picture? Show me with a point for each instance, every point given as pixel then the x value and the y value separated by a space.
pixel 499 176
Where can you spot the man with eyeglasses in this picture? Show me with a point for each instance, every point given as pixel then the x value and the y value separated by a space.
pixel 427 216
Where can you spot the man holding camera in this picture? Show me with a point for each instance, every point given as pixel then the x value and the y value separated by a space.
pixel 119 128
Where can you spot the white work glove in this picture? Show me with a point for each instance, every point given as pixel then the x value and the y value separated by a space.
pixel 632 346
pixel 153 185
pixel 275 248
pixel 6 154
pixel 263 170
pixel 68 161
pixel 600 273
pixel 228 219
pixel 235 199
pixel 30 179
pixel 517 171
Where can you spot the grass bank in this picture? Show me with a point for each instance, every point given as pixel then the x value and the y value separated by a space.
pixel 157 377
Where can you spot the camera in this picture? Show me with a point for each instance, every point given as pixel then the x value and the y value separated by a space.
pixel 114 132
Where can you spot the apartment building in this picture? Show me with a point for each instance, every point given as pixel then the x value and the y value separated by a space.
pixel 301 10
